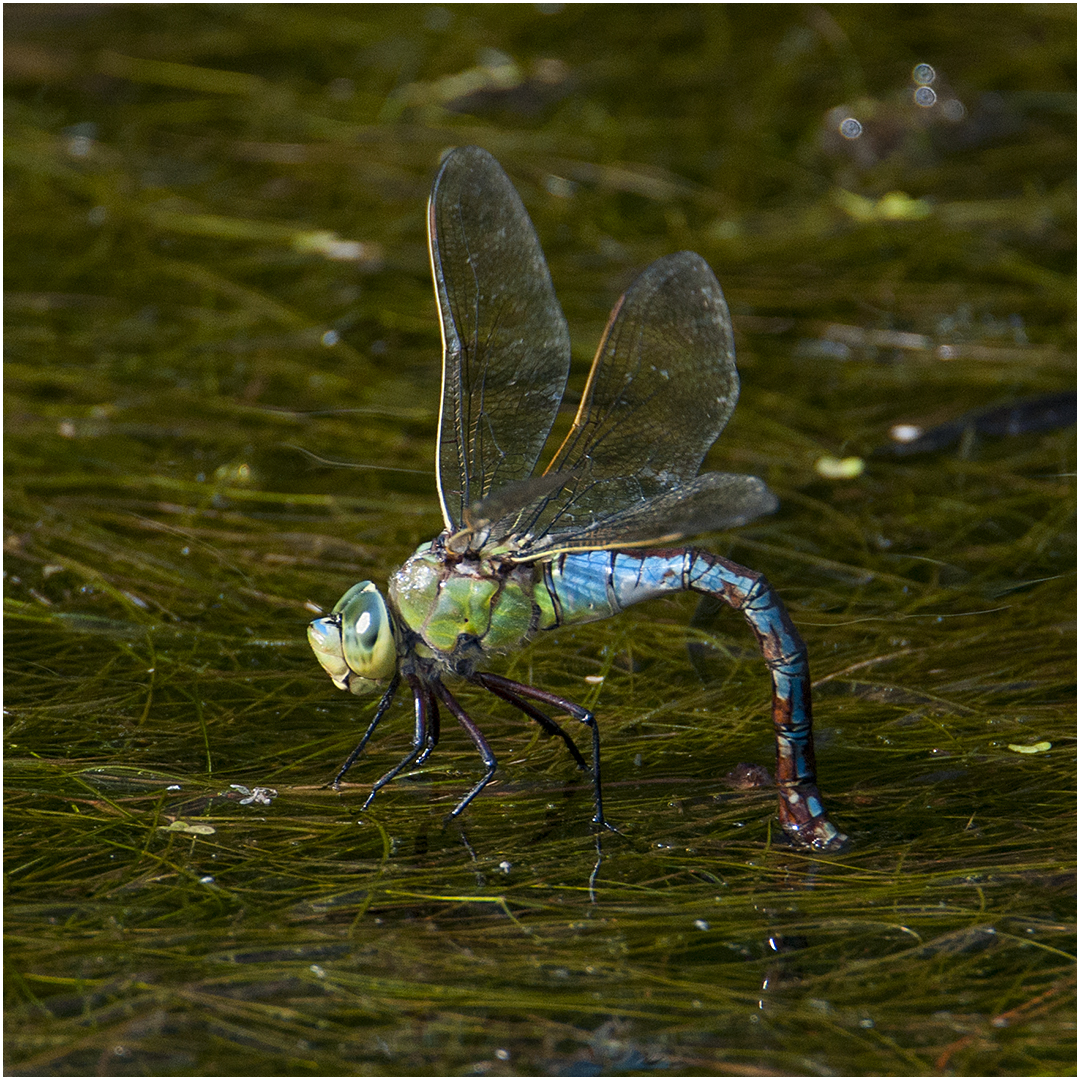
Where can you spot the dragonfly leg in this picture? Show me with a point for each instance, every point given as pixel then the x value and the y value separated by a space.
pixel 380 712
pixel 479 742
pixel 802 812
pixel 432 739
pixel 549 726
pixel 425 735
pixel 572 709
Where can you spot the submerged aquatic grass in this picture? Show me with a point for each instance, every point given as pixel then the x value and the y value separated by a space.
pixel 175 389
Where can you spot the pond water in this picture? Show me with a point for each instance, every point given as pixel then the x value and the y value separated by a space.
pixel 222 380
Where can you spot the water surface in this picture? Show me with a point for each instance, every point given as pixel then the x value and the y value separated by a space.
pixel 218 295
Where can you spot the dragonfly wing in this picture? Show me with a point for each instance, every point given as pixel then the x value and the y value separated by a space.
pixel 663 383
pixel 706 503
pixel 660 391
pixel 506 347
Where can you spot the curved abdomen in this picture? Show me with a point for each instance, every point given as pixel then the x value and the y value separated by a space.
pixel 596 584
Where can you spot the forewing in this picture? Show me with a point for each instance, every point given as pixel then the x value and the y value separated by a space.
pixel 660 391
pixel 506 347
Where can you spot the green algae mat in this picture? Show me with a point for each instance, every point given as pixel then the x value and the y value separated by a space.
pixel 222 383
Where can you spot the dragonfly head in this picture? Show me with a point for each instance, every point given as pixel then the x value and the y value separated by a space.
pixel 355 643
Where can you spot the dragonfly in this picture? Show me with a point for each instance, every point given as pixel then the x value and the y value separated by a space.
pixel 526 550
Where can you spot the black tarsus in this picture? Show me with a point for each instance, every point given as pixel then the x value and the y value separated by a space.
pixel 425 735
pixel 384 704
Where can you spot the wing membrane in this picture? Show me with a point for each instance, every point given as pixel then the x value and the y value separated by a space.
pixel 661 388
pixel 660 391
pixel 710 501
pixel 506 347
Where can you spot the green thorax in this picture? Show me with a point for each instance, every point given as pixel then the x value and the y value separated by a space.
pixel 463 607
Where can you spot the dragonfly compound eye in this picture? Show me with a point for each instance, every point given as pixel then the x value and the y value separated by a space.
pixel 367 632
pixel 355 642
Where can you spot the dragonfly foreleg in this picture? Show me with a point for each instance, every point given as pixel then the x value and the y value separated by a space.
pixel 380 712
pixel 481 744
pixel 572 709
pixel 425 734
pixel 549 726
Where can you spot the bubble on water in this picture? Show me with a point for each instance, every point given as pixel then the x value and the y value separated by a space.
pixel 925 97
pixel 850 128
pixel 923 75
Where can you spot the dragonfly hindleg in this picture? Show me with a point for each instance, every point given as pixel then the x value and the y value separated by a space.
pixel 549 726
pixel 571 708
